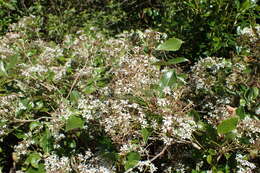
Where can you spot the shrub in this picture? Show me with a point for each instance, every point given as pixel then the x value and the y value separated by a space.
pixel 98 104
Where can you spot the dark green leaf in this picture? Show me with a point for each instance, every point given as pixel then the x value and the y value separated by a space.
pixel 171 62
pixel 227 125
pixel 251 93
pixel 195 115
pixel 173 44
pixel 46 141
pixel 241 112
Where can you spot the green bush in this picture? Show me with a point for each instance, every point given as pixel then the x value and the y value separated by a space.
pixel 93 104
pixel 85 94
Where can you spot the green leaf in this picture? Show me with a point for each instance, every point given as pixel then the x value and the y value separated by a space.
pixel 136 99
pixel 173 44
pixel 2 69
pixel 209 159
pixel 146 132
pixel 132 159
pixel 13 60
pixel 171 62
pixel 90 89
pixel 227 125
pixel 40 169
pixel 74 96
pixel 45 141
pixel 33 159
pixel 193 113
pixel 20 134
pixel 251 93
pixel 245 5
pixel 34 125
pixel 169 78
pixel 74 122
pixel 241 112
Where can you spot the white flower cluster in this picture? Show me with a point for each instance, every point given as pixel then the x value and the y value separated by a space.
pixel 134 74
pixel 179 127
pixel 216 113
pixel 88 163
pixel 251 128
pixel 54 163
pixel 32 70
pixel 244 166
pixel 249 31
pixel 22 147
pixel 204 71
pixel 10 105
pixel 122 119
pixel 146 166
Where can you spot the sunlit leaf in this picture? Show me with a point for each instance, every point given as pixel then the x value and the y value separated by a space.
pixel 168 79
pixel 173 44
pixel 74 122
pixel 227 125
pixel 3 71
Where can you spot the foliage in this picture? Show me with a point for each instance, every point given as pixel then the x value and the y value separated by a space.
pixel 75 99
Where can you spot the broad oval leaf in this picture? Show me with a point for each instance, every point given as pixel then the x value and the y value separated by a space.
pixel 227 125
pixel 173 44
pixel 74 122
pixel 132 159
pixel 33 159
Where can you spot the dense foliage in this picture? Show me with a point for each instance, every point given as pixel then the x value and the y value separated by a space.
pixel 129 86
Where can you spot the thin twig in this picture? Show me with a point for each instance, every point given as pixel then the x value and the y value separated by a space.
pixel 75 81
pixel 154 158
pixel 27 121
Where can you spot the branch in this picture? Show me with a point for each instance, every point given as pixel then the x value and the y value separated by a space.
pixel 27 121
pixel 154 158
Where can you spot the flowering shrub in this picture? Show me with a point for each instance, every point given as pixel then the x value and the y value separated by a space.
pixel 97 104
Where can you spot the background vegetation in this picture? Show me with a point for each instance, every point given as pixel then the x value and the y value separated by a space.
pixel 129 86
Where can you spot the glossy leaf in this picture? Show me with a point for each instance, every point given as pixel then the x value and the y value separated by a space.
pixel 173 44
pixel 169 78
